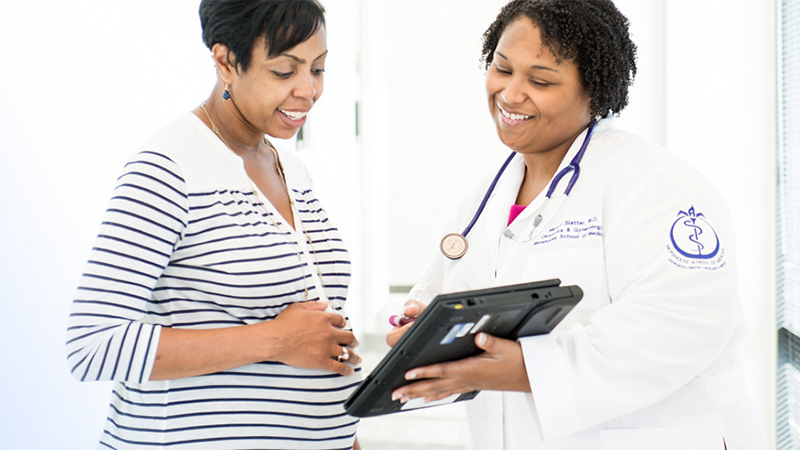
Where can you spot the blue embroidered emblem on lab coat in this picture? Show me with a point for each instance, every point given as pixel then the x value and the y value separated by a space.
pixel 694 242
pixel 693 237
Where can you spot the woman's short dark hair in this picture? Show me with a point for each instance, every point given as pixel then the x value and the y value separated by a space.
pixel 591 33
pixel 238 24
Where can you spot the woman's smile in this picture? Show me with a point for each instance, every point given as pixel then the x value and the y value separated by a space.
pixel 293 119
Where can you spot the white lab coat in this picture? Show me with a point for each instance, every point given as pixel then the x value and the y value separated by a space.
pixel 649 358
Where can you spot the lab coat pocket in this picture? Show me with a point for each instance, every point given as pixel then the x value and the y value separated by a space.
pixel 705 436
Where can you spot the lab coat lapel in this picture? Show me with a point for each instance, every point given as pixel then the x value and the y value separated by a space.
pixel 523 226
pixel 495 216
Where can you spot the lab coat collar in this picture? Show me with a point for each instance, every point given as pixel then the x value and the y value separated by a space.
pixel 523 225
pixel 601 127
pixel 512 177
pixel 505 194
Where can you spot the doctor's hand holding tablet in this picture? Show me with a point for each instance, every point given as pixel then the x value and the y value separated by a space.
pixel 649 358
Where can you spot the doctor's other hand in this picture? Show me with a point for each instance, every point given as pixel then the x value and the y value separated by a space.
pixel 310 337
pixel 411 309
pixel 499 368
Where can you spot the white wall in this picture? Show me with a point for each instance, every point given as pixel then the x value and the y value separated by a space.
pixel 440 136
pixel 82 83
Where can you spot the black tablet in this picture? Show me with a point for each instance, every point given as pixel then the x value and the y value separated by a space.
pixel 445 331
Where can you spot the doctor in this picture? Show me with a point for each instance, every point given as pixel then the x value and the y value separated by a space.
pixel 650 357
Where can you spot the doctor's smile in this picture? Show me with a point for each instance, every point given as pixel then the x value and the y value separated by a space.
pixel 512 118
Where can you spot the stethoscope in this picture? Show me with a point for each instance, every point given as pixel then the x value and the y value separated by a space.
pixel 455 245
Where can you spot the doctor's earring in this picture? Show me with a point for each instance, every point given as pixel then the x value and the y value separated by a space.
pixel 225 94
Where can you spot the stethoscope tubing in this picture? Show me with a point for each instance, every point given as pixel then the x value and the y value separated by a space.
pixel 488 194
pixel 573 166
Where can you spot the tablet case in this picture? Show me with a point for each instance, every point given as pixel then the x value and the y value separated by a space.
pixel 445 331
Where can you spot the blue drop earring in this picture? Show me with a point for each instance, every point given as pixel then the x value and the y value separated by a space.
pixel 225 94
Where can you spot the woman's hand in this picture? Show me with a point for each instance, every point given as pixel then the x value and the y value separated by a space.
pixel 411 309
pixel 305 335
pixel 302 335
pixel 500 368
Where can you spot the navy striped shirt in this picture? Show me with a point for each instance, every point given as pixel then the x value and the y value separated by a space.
pixel 185 243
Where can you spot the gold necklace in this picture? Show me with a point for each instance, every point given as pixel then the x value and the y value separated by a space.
pixel 278 165
pixel 279 168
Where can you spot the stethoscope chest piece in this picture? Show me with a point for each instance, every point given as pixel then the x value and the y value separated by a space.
pixel 454 245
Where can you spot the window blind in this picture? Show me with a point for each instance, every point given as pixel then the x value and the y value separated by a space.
pixel 788 223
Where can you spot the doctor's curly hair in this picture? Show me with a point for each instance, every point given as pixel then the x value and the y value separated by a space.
pixel 591 33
